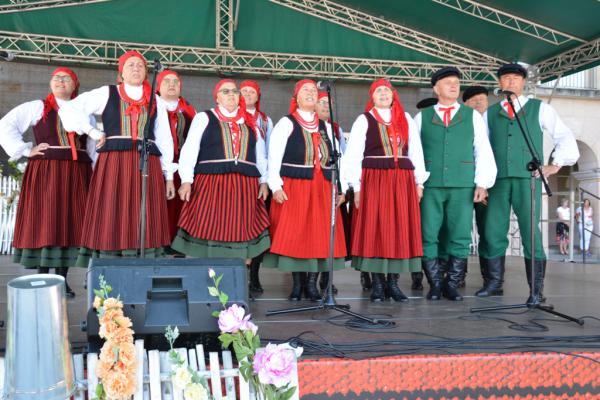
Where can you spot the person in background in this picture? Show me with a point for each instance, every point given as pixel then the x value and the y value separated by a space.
pixel 563 213
pixel 585 220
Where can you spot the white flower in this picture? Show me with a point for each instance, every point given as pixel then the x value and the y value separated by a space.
pixel 182 377
pixel 195 391
pixel 21 166
pixel 211 273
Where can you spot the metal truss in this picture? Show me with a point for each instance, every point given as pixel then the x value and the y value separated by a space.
pixel 510 21
pixel 224 24
pixel 28 5
pixel 56 49
pixel 570 60
pixel 390 31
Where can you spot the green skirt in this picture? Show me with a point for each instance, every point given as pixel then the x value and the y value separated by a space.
pixel 86 254
pixel 387 265
pixel 194 247
pixel 46 257
pixel 290 264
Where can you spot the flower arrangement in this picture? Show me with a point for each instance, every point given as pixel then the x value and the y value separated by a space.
pixel 183 377
pixel 269 370
pixel 116 369
pixel 17 171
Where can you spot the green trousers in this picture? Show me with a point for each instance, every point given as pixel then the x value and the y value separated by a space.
pixel 507 193
pixel 451 209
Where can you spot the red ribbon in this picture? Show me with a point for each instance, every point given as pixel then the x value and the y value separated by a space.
pixel 51 104
pixel 134 107
pixel 313 128
pixel 235 130
pixel 447 114
pixel 509 110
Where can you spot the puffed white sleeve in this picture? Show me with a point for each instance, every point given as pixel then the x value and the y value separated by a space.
pixel 565 145
pixel 277 143
pixel 14 125
pixel 351 166
pixel 415 151
pixel 191 148
pixel 75 114
pixel 164 142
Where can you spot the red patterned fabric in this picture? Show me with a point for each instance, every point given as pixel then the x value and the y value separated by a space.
pixel 113 206
pixel 300 226
pixel 387 223
pixel 225 208
pixel 52 204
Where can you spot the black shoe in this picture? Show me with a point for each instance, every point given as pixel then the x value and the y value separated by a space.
pixel 434 274
pixel 417 280
pixel 492 270
pixel 255 285
pixel 393 290
pixel 365 281
pixel 324 281
pixel 454 275
pixel 378 291
pixel 296 294
pixel 312 293
pixel 43 270
pixel 62 271
pixel 536 295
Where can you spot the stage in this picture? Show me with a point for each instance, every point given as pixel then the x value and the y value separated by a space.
pixel 436 349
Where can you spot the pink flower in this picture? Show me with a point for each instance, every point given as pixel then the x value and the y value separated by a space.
pixel 232 319
pixel 274 364
pixel 249 325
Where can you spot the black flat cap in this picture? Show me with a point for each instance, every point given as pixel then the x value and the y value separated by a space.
pixel 443 73
pixel 428 102
pixel 473 91
pixel 512 68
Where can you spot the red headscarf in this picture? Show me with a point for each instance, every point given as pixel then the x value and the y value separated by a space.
pixel 299 84
pixel 51 104
pixel 399 122
pixel 254 85
pixel 322 94
pixel 182 105
pixel 134 107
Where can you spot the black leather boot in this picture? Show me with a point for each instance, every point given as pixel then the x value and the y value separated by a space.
pixel 493 277
pixel 393 290
pixel 324 281
pixel 432 270
pixel 378 291
pixel 296 294
pixel 62 271
pixel 536 295
pixel 43 270
pixel 454 275
pixel 417 280
pixel 255 285
pixel 462 282
pixel 312 293
pixel 365 281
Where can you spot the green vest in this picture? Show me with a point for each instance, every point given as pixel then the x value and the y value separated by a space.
pixel 448 150
pixel 510 150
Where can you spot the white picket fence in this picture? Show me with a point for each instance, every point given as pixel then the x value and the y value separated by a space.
pixel 154 381
pixel 7 214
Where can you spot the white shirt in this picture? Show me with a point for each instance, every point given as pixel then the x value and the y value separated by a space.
pixel 352 159
pixel 279 137
pixel 266 129
pixel 565 146
pixel 75 117
pixel 342 140
pixel 18 120
pixel 588 216
pixel 485 164
pixel 188 157
pixel 564 213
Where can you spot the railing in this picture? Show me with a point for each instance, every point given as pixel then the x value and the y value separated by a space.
pixel 153 381
pixel 9 189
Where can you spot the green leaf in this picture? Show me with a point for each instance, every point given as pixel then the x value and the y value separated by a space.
pixel 213 291
pixel 98 293
pixel 115 351
pixel 223 298
pixel 241 351
pixel 218 280
pixel 226 339
pixel 216 314
pixel 99 390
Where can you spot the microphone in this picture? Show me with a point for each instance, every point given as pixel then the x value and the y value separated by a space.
pixel 498 92
pixel 322 85
pixel 7 56
pixel 158 66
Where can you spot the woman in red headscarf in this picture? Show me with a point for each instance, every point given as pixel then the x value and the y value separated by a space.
pixel 384 165
pixel 181 113
pixel 112 217
pixel 300 179
pixel 223 175
pixel 49 220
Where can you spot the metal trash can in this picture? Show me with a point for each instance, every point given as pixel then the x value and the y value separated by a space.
pixel 38 360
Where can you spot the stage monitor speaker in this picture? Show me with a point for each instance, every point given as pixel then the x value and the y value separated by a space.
pixel 160 292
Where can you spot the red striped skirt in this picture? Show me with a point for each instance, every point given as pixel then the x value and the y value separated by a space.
pixel 387 223
pixel 224 208
pixel 52 204
pixel 113 207
pixel 174 208
pixel 300 226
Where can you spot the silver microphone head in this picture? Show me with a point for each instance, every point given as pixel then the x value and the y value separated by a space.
pixel 7 56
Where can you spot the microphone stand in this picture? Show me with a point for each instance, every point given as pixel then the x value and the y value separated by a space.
pixel 533 166
pixel 328 301
pixel 144 149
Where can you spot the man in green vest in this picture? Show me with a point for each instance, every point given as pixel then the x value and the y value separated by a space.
pixel 512 188
pixel 461 164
